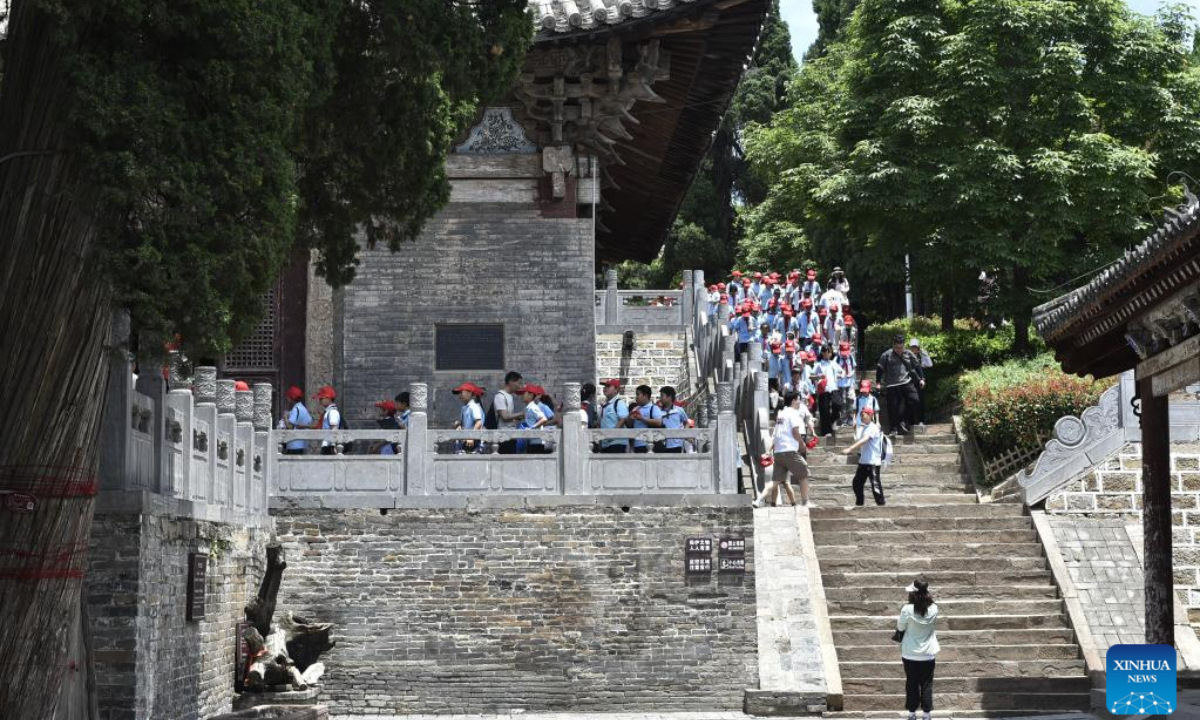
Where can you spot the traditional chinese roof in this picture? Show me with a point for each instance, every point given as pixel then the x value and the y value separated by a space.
pixel 567 16
pixel 1088 327
pixel 693 55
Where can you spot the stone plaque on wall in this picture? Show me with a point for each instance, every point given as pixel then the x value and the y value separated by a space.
pixel 197 575
pixel 469 347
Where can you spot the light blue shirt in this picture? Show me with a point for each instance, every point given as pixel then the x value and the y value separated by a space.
pixel 470 414
pixel 650 411
pixel 614 412
pixel 741 326
pixel 872 452
pixel 862 402
pixel 847 365
pixel 534 413
pixel 403 418
pixel 299 416
pixel 674 419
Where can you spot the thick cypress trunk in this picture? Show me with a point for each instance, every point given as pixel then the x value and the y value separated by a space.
pixel 55 315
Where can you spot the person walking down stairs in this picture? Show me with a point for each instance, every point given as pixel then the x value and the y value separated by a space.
pixel 870 446
pixel 792 424
pixel 916 629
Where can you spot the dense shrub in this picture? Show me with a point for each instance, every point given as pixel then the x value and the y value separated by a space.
pixel 967 347
pixel 1013 403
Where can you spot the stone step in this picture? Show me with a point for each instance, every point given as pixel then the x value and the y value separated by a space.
pixel 874 638
pixel 950 607
pixel 987 592
pixel 929 515
pixel 946 581
pixel 908 448
pixel 947 684
pixel 894 475
pixel 886 624
pixel 939 537
pixel 938 460
pixel 1001 701
pixel 992 525
pixel 895 551
pixel 947 669
pixel 909 502
pixel 845 437
pixel 962 653
pixel 894 714
pixel 935 569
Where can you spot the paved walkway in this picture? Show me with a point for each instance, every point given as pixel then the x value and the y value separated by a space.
pixel 645 716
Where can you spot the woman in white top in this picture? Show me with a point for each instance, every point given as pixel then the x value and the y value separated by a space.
pixel 918 647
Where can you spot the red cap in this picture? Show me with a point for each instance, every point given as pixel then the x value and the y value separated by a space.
pixel 822 312
pixel 848 319
pixel 326 391
pixel 720 286
pixel 791 346
pixel 835 309
pixel 294 393
pixel 864 386
pixel 810 274
pixel 745 282
pixel 806 303
pixel 776 347
pixel 758 276
pixel 787 311
pixel 844 346
pixel 736 273
pixel 774 273
pixel 388 406
pixel 712 288
pixel 755 304
pixel 765 460
pixel 241 385
pixel 812 442
pixel 537 390
pixel 868 410
pixel 469 387
pixel 818 338
pixel 844 350
pixel 771 304
pixel 613 383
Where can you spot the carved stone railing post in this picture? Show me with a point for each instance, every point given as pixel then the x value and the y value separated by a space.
pixel 418 465
pixel 226 397
pixel 179 432
pixel 574 449
pixel 224 442
pixel 262 406
pixel 118 406
pixel 612 299
pixel 726 445
pixel 205 385
pixel 243 405
pixel 177 371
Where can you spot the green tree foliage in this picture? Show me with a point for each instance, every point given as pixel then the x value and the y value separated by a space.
pixel 1031 138
pixel 223 134
pixel 705 234
pixel 832 16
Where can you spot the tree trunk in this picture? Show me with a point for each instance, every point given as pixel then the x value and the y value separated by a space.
pixel 55 317
pixel 948 305
pixel 261 608
pixel 1022 311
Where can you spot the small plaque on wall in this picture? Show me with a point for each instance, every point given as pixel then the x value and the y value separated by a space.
pixel 197 575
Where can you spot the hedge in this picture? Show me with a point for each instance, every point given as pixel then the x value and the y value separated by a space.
pixel 1015 402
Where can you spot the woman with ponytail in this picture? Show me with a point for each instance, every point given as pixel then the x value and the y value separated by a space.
pixel 916 630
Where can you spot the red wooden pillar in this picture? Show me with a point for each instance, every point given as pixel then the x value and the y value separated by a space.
pixel 1156 516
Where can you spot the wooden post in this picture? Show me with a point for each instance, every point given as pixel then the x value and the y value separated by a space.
pixel 1156 515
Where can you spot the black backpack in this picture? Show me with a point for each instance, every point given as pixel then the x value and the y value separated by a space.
pixel 491 420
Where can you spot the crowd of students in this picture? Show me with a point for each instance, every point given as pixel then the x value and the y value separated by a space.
pixel 810 349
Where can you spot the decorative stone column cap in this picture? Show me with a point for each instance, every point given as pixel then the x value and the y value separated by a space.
pixel 226 402
pixel 725 397
pixel 243 405
pixel 177 378
pixel 418 397
pixel 263 395
pixel 573 400
pixel 205 384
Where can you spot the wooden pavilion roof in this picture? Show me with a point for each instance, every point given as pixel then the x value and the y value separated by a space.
pixel 710 44
pixel 1089 327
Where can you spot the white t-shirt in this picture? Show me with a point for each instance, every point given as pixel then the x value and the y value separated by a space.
pixel 504 402
pixel 788 419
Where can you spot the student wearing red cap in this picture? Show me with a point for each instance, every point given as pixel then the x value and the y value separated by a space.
pixel 387 420
pixel 331 418
pixel 299 418
pixel 535 416
pixel 613 416
pixel 646 414
pixel 866 399
pixel 845 361
pixel 673 418
pixel 829 402
pixel 811 287
pixel 470 416
pixel 870 442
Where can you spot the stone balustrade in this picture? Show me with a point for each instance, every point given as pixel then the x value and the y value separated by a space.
pixel 638 308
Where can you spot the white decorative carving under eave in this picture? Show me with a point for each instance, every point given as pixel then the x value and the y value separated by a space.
pixel 498 133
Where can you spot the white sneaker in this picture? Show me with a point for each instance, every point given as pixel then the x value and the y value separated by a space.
pixel 757 504
pixel 810 504
pixel 912 716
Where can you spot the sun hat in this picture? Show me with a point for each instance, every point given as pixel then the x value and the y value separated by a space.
pixel 919 585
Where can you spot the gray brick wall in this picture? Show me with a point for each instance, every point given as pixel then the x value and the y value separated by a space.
pixel 474 263
pixel 151 663
pixel 477 611
pixel 657 359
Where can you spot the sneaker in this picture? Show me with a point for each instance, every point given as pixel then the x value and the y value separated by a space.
pixel 926 717
pixel 912 716
pixel 757 504
pixel 810 504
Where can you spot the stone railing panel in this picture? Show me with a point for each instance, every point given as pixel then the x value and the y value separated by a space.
pixel 690 471
pixel 360 471
pixel 142 466
pixel 481 469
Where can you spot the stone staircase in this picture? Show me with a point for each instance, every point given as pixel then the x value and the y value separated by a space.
pixel 1007 648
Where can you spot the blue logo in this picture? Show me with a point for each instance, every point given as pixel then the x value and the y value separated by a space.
pixel 1140 679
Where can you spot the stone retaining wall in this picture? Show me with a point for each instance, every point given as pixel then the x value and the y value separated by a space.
pixel 572 607
pixel 1114 490
pixel 657 359
pixel 151 662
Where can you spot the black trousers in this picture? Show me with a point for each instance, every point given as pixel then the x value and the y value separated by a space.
pixel 829 407
pixel 901 403
pixel 918 684
pixel 508 447
pixel 861 476
pixel 622 448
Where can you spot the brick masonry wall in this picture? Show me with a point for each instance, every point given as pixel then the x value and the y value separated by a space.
pixel 580 608
pixel 494 263
pixel 657 359
pixel 1114 490
pixel 152 663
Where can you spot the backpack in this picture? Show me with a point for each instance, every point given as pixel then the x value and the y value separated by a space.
pixel 885 451
pixel 491 420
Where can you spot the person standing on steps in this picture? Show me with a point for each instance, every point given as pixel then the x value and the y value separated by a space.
pixel 870 441
pixel 926 362
pixel 916 628
pixel 899 372
pixel 792 423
